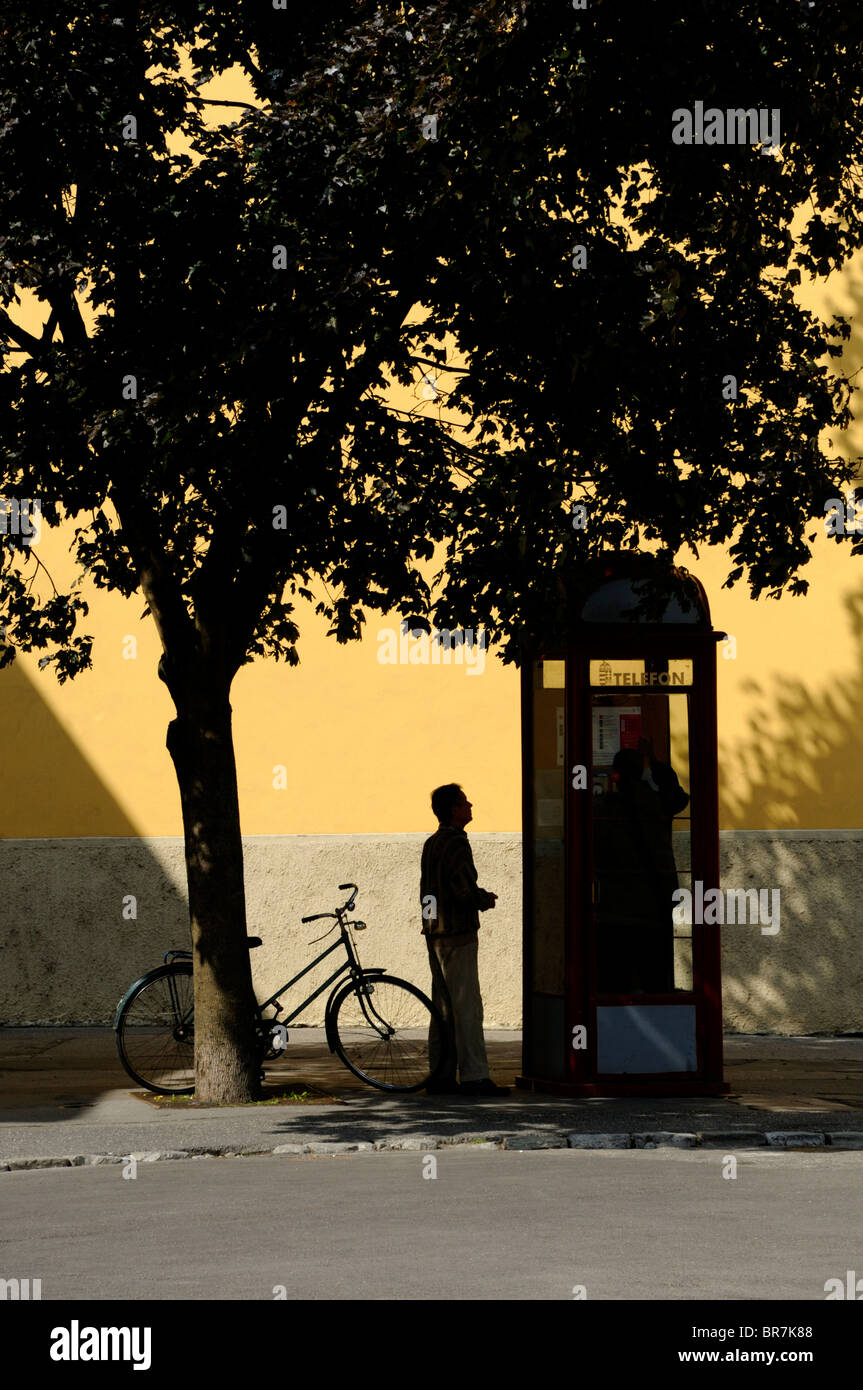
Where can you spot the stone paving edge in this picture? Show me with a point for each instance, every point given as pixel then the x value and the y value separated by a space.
pixel 426 1143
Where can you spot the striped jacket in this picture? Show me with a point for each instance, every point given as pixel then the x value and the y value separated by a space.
pixel 450 897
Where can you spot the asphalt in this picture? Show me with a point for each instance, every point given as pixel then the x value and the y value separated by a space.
pixel 65 1100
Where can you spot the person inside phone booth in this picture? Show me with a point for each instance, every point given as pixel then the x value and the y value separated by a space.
pixel 636 873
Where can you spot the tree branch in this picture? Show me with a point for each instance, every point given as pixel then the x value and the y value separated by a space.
pixel 40 565
pixel 212 101
pixel 49 329
pixel 462 371
pixel 69 316
pixel 359 377
pixel 20 335
pixel 158 583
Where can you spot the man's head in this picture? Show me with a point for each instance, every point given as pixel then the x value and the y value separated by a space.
pixel 451 806
pixel 629 765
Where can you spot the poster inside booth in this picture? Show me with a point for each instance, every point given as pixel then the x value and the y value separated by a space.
pixel 614 727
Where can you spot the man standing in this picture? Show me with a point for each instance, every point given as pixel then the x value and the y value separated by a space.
pixel 452 902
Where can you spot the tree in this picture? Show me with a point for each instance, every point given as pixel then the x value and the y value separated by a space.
pixel 488 193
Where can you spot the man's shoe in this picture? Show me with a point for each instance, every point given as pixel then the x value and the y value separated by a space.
pixel 443 1088
pixel 485 1087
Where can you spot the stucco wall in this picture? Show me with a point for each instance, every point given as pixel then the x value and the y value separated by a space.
pixel 69 954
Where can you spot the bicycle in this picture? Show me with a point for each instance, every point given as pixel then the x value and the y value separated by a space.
pixel 154 1022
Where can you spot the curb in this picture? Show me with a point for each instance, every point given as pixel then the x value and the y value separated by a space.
pixel 490 1139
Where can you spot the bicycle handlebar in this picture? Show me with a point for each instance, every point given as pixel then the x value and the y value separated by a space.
pixel 348 907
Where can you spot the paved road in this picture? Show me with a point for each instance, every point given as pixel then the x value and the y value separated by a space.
pixel 661 1224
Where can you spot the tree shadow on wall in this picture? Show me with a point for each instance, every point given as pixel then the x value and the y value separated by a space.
pixel 801 750
pixel 71 947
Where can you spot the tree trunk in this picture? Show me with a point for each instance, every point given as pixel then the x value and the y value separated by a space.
pixel 200 741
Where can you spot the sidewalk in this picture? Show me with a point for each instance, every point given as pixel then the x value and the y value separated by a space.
pixel 65 1099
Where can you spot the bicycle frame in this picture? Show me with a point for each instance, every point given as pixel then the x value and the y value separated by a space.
pixel 350 966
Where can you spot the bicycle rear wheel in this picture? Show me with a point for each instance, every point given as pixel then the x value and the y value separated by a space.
pixel 382 1033
pixel 155 1031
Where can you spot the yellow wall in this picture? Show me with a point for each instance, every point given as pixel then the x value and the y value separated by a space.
pixel 364 743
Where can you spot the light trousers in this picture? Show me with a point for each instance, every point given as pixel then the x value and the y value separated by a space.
pixel 455 991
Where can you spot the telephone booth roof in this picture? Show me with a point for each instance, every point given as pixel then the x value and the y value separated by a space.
pixel 634 588
pixel 620 591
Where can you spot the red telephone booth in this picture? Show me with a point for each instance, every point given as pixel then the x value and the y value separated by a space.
pixel 622 991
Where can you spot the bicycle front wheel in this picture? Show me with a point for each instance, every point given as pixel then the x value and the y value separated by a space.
pixel 155 1031
pixel 382 1033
